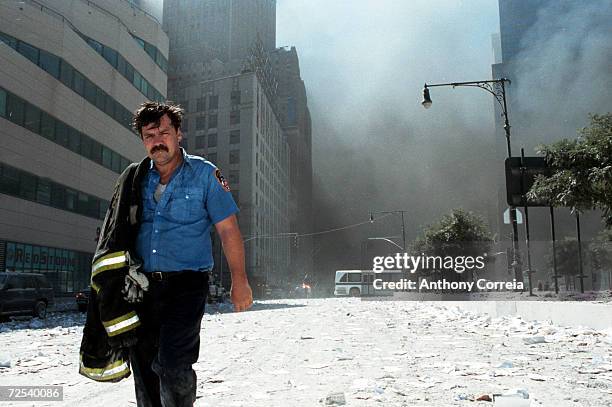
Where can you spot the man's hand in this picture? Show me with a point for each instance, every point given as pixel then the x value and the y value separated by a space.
pixel 241 295
pixel 231 239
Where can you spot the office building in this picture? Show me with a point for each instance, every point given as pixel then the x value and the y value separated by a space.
pixel 71 74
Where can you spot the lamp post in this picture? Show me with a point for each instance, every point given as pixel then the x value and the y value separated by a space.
pixel 372 213
pixel 496 87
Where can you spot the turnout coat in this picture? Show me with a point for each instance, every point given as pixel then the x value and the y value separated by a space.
pixel 110 328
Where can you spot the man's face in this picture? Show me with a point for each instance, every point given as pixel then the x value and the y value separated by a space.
pixel 161 142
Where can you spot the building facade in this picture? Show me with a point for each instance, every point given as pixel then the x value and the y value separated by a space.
pixel 201 31
pixel 71 73
pixel 297 126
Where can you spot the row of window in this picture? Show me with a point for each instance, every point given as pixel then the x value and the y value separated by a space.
pixel 72 78
pixel 201 141
pixel 126 69
pixel 211 121
pixel 24 185
pixel 155 54
pixel 26 115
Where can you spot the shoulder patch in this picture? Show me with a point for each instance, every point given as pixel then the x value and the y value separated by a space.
pixel 221 180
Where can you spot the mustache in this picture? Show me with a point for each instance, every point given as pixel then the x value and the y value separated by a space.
pixel 159 147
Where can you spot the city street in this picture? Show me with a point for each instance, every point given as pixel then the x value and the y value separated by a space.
pixel 342 351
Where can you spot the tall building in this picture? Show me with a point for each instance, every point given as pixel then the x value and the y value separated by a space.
pixel 297 126
pixel 203 30
pixel 71 73
pixel 219 45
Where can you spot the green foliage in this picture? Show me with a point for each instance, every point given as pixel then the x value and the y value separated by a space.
pixel 601 251
pixel 581 170
pixel 460 233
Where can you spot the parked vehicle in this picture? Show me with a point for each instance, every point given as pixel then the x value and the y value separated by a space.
pixel 25 293
pixel 82 299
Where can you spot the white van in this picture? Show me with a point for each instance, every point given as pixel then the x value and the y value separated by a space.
pixel 356 283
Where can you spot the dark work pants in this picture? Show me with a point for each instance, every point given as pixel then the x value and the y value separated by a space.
pixel 169 341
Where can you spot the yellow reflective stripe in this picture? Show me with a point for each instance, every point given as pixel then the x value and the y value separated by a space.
pixel 110 261
pixel 95 287
pixel 121 324
pixel 112 371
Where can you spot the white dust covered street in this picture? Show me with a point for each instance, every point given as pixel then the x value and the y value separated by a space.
pixel 342 352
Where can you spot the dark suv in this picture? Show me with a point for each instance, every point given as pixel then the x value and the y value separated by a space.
pixel 25 293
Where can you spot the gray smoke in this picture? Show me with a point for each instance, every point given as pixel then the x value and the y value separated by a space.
pixel 374 146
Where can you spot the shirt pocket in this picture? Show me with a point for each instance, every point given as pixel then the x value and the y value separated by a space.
pixel 186 205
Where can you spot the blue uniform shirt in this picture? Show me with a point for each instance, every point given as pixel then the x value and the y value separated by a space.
pixel 175 232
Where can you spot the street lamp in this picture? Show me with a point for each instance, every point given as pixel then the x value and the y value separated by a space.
pixel 496 87
pixel 403 225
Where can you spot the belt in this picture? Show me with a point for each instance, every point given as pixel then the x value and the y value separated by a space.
pixel 166 275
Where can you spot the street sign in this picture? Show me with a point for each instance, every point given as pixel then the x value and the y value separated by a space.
pixel 519 216
pixel 520 176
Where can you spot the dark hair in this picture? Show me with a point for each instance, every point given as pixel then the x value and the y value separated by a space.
pixel 152 112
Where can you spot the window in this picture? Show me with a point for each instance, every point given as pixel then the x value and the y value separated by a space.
pixel 110 55
pixel 47 126
pixel 86 144
pixel 74 140
pixel 213 102
pixel 43 191
pixel 150 49
pixel 124 163
pixel 90 91
pixel 66 73
pixel 235 137
pixel 70 202
pixel 129 72
pixel 236 195
pixel 137 79
pixel 2 103
pixel 201 104
pixel 32 118
pixel 96 151
pixel 185 125
pixel 234 177
pixel 212 157
pixel 49 63
pixel 200 123
pixel 144 88
pixel 109 106
pixel 122 65
pixel 79 83
pixel 100 99
pixel 27 186
pixel 61 133
pixel 95 45
pixel 212 121
pixel 15 109
pixel 200 142
pixel 212 140
pixel 57 195
pixel 28 51
pixel 234 157
pixel 8 40
pixel 235 97
pixel 106 157
pixel 9 181
pixel 234 117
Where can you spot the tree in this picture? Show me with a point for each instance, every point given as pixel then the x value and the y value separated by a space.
pixel 581 170
pixel 458 234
